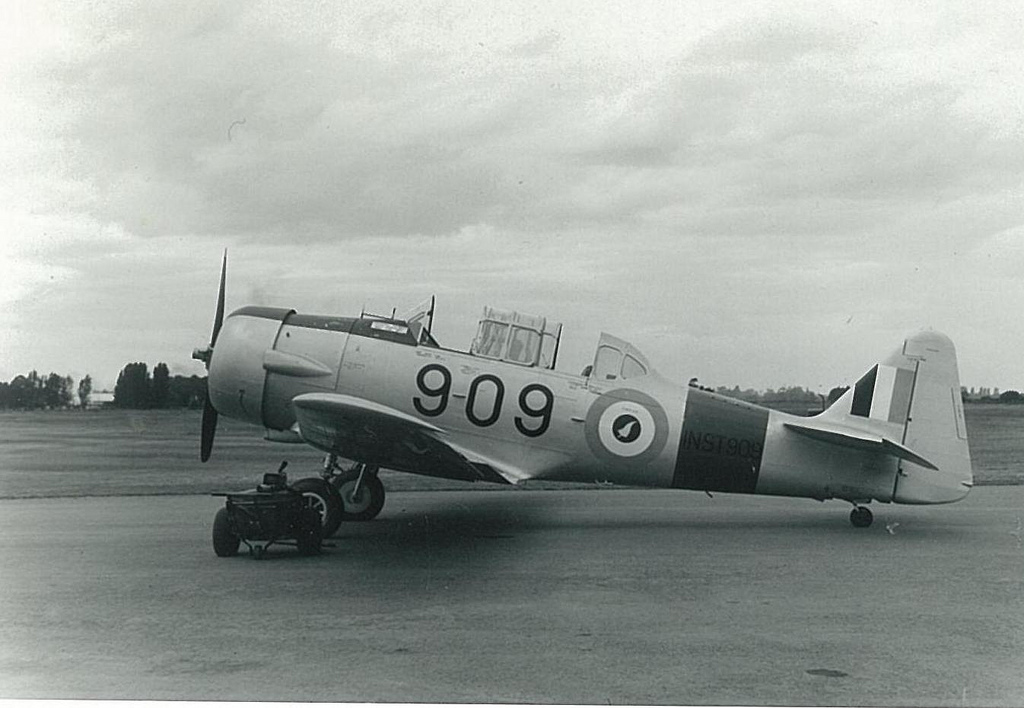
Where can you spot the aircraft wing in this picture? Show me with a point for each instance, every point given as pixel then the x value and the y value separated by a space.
pixel 376 434
pixel 860 440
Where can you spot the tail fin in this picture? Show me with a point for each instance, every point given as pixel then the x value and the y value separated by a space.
pixel 912 399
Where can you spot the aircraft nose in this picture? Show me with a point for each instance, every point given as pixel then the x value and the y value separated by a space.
pixel 237 376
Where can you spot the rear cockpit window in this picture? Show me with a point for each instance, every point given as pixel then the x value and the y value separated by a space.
pixel 632 369
pixel 616 358
pixel 606 363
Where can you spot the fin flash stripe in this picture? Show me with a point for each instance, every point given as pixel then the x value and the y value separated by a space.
pixel 883 394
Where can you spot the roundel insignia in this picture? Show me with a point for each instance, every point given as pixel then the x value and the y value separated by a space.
pixel 626 427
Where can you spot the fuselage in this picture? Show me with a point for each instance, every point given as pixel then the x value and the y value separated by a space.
pixel 628 427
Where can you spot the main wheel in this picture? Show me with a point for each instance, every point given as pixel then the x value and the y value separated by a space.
pixel 861 517
pixel 225 543
pixel 364 504
pixel 325 500
pixel 309 535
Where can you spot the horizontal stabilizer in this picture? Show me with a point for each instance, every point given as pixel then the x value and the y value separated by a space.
pixel 859 440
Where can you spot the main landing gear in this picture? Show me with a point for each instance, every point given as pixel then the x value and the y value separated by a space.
pixel 861 517
pixel 359 488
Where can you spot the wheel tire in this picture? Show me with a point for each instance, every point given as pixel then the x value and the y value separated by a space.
pixel 325 500
pixel 225 543
pixel 310 533
pixel 861 517
pixel 371 495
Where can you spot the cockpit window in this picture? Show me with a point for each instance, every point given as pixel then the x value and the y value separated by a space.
pixel 523 346
pixel 616 358
pixel 517 338
pixel 606 363
pixel 491 340
pixel 549 349
pixel 632 369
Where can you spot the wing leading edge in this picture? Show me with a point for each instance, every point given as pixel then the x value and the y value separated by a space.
pixel 359 429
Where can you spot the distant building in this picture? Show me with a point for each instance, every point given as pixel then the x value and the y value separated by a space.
pixel 99 399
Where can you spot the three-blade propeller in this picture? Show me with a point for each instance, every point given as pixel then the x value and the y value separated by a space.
pixel 209 425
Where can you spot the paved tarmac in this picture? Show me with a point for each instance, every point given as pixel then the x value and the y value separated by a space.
pixel 588 596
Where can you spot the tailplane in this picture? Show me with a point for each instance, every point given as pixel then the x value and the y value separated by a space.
pixel 908 406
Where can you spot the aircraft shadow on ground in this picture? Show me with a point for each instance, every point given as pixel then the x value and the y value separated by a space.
pixel 455 530
pixel 460 530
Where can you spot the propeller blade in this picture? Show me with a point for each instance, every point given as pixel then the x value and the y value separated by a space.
pixel 218 319
pixel 209 429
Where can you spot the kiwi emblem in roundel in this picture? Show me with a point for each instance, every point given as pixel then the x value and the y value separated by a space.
pixel 626 427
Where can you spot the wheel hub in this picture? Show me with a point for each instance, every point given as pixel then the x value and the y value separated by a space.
pixel 355 499
pixel 317 504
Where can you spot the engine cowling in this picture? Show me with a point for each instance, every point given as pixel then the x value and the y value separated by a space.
pixel 237 376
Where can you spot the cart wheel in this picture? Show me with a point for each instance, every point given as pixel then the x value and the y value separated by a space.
pixel 325 500
pixel 225 543
pixel 309 535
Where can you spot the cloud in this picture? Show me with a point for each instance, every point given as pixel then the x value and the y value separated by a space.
pixel 221 122
pixel 251 122
pixel 737 178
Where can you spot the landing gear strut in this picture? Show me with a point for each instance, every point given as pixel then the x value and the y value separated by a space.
pixel 861 517
pixel 361 491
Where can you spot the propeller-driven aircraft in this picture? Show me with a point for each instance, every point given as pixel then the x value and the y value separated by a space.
pixel 373 392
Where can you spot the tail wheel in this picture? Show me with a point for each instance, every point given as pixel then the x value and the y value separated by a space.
pixel 225 542
pixel 324 500
pixel 364 503
pixel 861 517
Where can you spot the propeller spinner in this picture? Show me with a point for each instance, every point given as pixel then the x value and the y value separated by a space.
pixel 209 425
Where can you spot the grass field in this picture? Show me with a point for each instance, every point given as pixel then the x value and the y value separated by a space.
pixel 113 452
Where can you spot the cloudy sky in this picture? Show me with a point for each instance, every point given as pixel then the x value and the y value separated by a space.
pixel 754 193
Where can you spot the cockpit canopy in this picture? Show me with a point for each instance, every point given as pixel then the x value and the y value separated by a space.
pixel 617 359
pixel 517 338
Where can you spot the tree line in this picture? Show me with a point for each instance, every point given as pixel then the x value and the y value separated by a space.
pixel 792 398
pixel 1010 396
pixel 33 391
pixel 137 388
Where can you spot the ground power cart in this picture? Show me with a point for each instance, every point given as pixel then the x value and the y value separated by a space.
pixel 272 513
